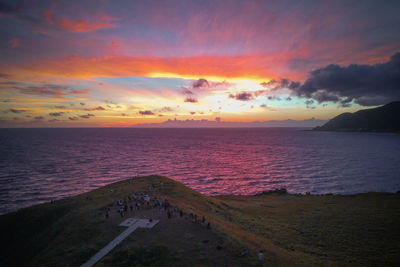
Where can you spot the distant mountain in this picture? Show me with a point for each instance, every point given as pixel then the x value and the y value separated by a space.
pixel 381 119
pixel 218 123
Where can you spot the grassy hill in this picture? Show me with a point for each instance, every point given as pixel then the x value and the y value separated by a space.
pixel 381 119
pixel 291 230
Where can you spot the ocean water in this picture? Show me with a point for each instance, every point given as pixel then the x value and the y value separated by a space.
pixel 37 165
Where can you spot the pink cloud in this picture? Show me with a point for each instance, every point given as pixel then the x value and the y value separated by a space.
pixel 14 43
pixel 79 25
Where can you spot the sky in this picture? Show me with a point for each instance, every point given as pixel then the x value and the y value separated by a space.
pixel 122 63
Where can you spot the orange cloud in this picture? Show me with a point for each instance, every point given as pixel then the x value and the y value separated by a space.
pixel 246 66
pixel 80 25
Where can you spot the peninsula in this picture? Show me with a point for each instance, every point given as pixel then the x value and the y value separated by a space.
pixel 199 230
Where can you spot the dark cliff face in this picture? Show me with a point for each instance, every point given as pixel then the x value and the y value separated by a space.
pixel 385 118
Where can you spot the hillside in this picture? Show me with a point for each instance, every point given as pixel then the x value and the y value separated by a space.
pixel 307 230
pixel 382 119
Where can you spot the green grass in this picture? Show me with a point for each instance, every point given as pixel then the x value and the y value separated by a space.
pixel 292 230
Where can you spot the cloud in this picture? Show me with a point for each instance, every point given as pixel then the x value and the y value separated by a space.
pixel 191 100
pixel 56 114
pixel 17 111
pixel 99 108
pixel 82 104
pixel 45 90
pixel 200 83
pixel 73 66
pixel 166 109
pixel 60 107
pixel 14 43
pixel 146 112
pixel 244 96
pixel 87 116
pixel 79 25
pixel 73 118
pixel 366 85
pixel 6 8
pixel 186 91
pixel 38 118
pixel 283 83
pixel 309 103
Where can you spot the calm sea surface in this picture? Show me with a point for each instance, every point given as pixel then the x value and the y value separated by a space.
pixel 37 165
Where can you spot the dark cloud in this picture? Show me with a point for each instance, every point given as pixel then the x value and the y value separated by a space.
pixel 192 113
pixel 38 118
pixel 265 106
pixel 191 100
pixel 309 104
pixel 17 111
pixel 6 8
pixel 82 104
pixel 199 86
pixel 200 83
pixel 87 116
pixel 275 85
pixel 146 112
pixel 272 97
pixel 244 96
pixel 367 85
pixel 166 109
pixel 45 90
pixel 100 108
pixel 56 114
pixel 60 107
pixel 73 118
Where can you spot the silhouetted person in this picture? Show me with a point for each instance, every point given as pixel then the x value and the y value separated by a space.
pixel 191 213
pixel 260 256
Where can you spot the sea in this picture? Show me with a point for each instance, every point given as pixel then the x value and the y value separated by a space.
pixel 39 165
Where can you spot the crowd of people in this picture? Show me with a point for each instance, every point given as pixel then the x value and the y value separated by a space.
pixel 142 201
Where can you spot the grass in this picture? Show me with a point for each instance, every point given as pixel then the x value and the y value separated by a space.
pixel 292 230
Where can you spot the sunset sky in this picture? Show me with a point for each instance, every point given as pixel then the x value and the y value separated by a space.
pixel 120 63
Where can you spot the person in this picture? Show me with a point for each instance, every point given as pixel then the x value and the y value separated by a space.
pixel 166 204
pixel 131 207
pixel 169 214
pixel 203 220
pixel 191 212
pixel 107 215
pixel 208 226
pixel 181 213
pixel 260 256
pixel 121 211
pixel 147 199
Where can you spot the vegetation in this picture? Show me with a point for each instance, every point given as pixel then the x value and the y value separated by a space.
pixel 309 230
